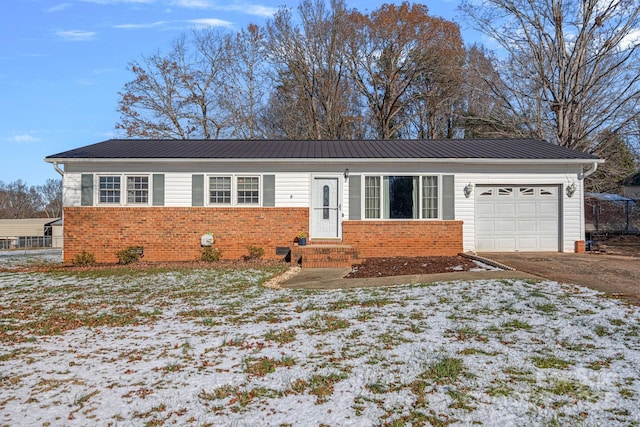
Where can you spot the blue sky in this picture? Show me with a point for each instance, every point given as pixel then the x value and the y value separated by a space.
pixel 62 64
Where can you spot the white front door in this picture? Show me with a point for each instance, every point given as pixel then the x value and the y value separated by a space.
pixel 325 208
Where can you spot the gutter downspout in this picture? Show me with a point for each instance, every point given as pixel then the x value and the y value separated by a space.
pixel 590 171
pixel 57 168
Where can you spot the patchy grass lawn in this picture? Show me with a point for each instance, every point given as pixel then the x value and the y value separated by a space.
pixel 209 347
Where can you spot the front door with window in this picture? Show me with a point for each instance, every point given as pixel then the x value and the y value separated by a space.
pixel 325 215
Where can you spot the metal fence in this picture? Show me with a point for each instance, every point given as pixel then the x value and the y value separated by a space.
pixel 25 242
pixel 620 215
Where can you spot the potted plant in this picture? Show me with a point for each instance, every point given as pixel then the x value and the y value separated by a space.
pixel 302 238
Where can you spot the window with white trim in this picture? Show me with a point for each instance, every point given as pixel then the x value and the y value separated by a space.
pixel 248 190
pixel 234 190
pixel 220 190
pixel 109 189
pixel 136 188
pixel 402 197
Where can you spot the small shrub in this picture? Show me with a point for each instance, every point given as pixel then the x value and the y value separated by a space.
pixel 128 255
pixel 84 258
pixel 255 252
pixel 210 254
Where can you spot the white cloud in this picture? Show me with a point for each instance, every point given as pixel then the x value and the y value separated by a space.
pixel 192 4
pixel 200 22
pixel 141 26
pixel 119 1
pixel 210 22
pixel 249 9
pixel 22 138
pixel 59 7
pixel 76 35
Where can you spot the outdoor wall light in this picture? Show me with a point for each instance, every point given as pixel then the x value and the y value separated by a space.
pixel 346 173
pixel 467 190
pixel 571 189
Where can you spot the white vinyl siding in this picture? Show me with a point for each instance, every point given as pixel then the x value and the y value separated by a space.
pixel 71 189
pixel 177 189
pixel 293 190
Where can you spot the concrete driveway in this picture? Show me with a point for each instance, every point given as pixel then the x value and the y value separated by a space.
pixel 615 275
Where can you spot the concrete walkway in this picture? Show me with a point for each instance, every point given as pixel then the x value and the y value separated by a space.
pixel 334 278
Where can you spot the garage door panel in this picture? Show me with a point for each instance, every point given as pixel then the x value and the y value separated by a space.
pixel 528 244
pixel 548 227
pixel 547 208
pixel 502 208
pixel 505 226
pixel 485 209
pixel 527 208
pixel 525 226
pixel 485 227
pixel 548 244
pixel 505 244
pixel 517 218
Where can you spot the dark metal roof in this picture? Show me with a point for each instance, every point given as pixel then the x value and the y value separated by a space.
pixel 361 149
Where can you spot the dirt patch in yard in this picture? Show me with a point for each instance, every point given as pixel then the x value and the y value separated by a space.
pixel 401 266
pixel 615 275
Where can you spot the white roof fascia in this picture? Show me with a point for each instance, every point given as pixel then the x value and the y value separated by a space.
pixel 332 160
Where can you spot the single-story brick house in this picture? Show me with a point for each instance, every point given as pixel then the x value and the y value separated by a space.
pixel 377 198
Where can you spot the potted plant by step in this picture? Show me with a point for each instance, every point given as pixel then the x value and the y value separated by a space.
pixel 302 238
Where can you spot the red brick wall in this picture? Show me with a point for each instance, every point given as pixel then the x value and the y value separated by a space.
pixel 403 238
pixel 173 233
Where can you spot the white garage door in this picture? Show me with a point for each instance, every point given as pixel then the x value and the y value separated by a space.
pixel 517 218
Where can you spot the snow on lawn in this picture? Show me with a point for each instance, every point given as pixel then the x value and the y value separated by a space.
pixel 210 347
pixel 25 257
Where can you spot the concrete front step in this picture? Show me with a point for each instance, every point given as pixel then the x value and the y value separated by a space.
pixel 324 255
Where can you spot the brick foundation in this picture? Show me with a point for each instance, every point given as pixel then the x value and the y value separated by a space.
pixel 403 238
pixel 173 233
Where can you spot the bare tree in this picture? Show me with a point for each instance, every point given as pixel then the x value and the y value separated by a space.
pixel 178 95
pixel 51 196
pixel 311 97
pixel 571 65
pixel 245 81
pixel 392 51
pixel 18 200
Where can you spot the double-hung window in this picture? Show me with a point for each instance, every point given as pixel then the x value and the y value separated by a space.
pixel 401 197
pixel 234 190
pixel 136 188
pixel 220 190
pixel 109 189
